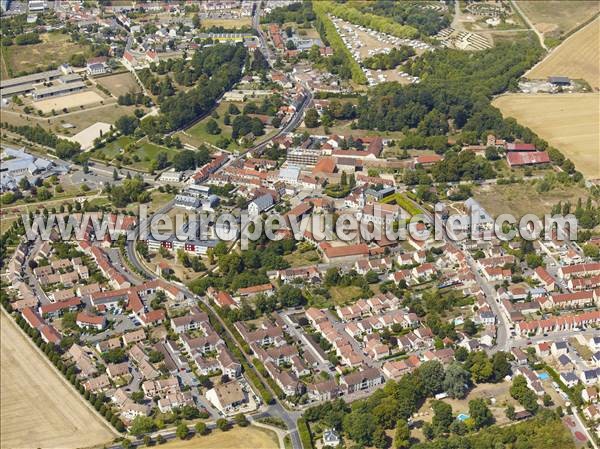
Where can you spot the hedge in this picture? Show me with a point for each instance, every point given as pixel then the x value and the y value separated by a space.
pixel 305 435
pixel 321 10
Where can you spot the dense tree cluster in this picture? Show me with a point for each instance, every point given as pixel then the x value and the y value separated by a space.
pixel 300 13
pixel 63 148
pixel 546 431
pixel 464 165
pixel 214 70
pixel 455 86
pixel 391 60
pixel 248 268
pixel 244 124
pixel 426 20
pixel 130 191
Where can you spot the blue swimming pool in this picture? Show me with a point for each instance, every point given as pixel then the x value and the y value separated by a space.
pixel 462 417
pixel 543 376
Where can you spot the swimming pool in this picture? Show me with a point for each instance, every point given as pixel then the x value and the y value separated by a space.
pixel 543 376
pixel 462 417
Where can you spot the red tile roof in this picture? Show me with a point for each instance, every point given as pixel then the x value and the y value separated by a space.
pixel 517 158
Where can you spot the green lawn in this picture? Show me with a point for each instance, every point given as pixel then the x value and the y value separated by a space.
pixel 145 150
pixel 344 295
pixel 302 259
pixel 199 135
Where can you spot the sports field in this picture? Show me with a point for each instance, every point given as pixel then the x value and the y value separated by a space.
pixel 236 438
pixel 577 57
pixel 84 98
pixel 119 84
pixel 37 408
pixel 568 122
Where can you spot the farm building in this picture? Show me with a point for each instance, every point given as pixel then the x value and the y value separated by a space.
pixel 559 80
pixel 520 158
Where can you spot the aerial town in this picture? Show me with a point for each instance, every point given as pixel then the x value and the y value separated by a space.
pixel 147 299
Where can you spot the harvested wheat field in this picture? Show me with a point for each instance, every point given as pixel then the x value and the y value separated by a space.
pixel 237 438
pixel 568 122
pixel 578 57
pixel 558 16
pixel 37 408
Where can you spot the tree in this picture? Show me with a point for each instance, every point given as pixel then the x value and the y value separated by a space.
pixel 233 109
pixel 311 118
pixel 380 439
pixel 480 366
pixel 480 413
pixel 142 425
pixel 359 426
pixel 182 431
pixel 201 428
pixel 126 124
pixel 402 436
pixel 432 377
pixel 212 127
pixel 469 327
pixel 241 420
pixel 521 392
pixel 457 381
pixel 442 417
pixel 500 366
pixel 125 443
pixel 510 412
pixel 222 424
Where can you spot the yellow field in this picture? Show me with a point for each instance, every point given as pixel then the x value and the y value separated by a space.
pixel 568 122
pixel 236 438
pixel 558 16
pixel 37 408
pixel 577 57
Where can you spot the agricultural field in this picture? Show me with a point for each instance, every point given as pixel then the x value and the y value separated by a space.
pixel 557 17
pixel 119 84
pixel 577 57
pixel 38 409
pixel 568 122
pixel 55 49
pixel 503 199
pixel 248 437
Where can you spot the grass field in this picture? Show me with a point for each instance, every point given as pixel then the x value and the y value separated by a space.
pixel 577 57
pixel 568 122
pixel 80 119
pixel 344 295
pixel 54 49
pixel 226 23
pixel 510 199
pixel 303 259
pixel 236 438
pixel 198 132
pixel 558 16
pixel 38 409
pixel 146 152
pixel 119 84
